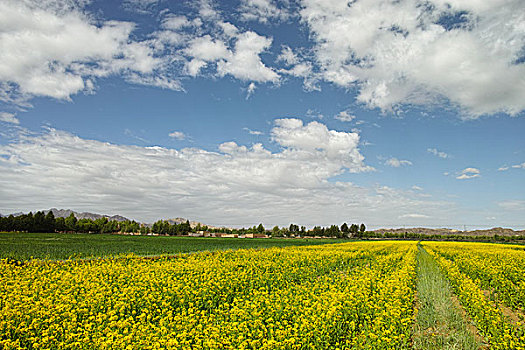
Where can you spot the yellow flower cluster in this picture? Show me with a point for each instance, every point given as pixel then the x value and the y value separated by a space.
pixel 341 296
pixel 475 270
pixel 499 269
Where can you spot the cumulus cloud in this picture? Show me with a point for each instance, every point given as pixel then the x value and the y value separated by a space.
pixel 175 22
pixel 236 185
pixel 45 51
pixel 396 163
pixel 421 53
pixel 250 90
pixel 519 166
pixel 438 153
pixel 344 116
pixel 253 132
pixel 262 11
pixel 243 61
pixel 9 118
pixel 207 49
pixel 468 173
pixel 179 135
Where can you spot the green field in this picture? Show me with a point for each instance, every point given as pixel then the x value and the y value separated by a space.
pixel 24 246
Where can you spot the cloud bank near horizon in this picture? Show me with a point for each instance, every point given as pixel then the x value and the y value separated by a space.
pixel 236 185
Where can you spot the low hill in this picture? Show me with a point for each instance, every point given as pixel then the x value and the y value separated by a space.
pixel 446 231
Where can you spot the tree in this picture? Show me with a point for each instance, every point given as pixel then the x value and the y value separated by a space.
pixel 317 231
pixel 293 229
pixel 344 228
pixel 362 228
pixel 60 224
pixel 38 224
pixel 71 222
pixel 49 222
pixel 260 228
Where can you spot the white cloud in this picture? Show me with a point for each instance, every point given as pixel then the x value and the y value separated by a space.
pixel 513 205
pixel 238 185
pixel 262 11
pixel 9 118
pixel 288 56
pixel 413 53
pixel 315 138
pixel 229 29
pixel 244 62
pixel 344 116
pixel 468 173
pixel 413 216
pixel 417 188
pixel 163 82
pixel 312 113
pixel 299 67
pixel 44 51
pixel 179 135
pixel 207 10
pixel 396 163
pixel 194 67
pixel 207 49
pixel 503 168
pixel 253 132
pixel 438 153
pixel 250 90
pixel 519 166
pixel 175 22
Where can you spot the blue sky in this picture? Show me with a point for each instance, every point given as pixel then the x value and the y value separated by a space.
pixel 239 112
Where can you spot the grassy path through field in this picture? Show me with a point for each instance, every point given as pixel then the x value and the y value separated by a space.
pixel 439 321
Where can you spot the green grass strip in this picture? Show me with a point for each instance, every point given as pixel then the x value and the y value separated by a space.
pixel 439 321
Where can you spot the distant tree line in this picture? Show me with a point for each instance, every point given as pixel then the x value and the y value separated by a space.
pixel 345 231
pixel 46 222
pixel 41 222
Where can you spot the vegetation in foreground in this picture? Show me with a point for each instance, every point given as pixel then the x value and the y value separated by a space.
pixel 439 324
pixel 486 278
pixel 341 296
pixel 358 295
pixel 24 246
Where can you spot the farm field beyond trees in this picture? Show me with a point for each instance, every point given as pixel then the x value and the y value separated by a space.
pixel 357 295
pixel 23 246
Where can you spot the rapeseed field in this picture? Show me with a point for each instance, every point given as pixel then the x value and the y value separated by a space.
pixel 359 295
pixel 489 280
pixel 352 295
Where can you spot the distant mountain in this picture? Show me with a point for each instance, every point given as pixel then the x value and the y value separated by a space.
pixel 64 213
pixel 14 214
pixel 446 231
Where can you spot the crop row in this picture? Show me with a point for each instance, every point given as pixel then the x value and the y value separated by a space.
pixel 351 295
pixel 472 269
